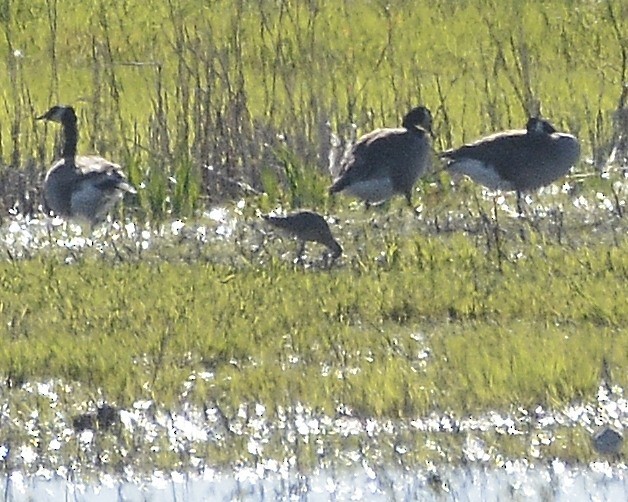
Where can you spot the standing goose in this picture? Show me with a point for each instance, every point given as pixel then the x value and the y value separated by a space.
pixel 307 226
pixel 84 188
pixel 386 162
pixel 520 160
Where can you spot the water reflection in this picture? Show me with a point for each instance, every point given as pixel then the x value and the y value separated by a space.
pixel 518 480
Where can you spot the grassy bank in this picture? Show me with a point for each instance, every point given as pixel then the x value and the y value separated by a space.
pixel 456 310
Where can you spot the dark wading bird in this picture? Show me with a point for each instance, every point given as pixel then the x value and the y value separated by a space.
pixel 386 162
pixel 81 187
pixel 307 226
pixel 520 159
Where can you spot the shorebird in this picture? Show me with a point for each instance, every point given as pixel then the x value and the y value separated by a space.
pixel 307 226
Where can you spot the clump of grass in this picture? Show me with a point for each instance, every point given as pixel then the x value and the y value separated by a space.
pixel 293 183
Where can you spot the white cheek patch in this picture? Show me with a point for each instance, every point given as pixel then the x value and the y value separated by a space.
pixel 373 190
pixel 480 173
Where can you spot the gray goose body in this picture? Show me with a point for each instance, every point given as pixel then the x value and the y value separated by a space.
pixel 520 160
pixel 81 187
pixel 307 226
pixel 388 161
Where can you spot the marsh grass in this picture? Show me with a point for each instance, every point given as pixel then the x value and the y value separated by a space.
pixel 454 309
pixel 179 86
pixel 533 330
pixel 415 320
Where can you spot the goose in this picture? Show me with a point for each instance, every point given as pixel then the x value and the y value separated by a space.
pixel 388 161
pixel 307 226
pixel 521 160
pixel 81 187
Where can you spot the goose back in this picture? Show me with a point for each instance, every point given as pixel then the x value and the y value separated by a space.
pixel 521 159
pixel 387 161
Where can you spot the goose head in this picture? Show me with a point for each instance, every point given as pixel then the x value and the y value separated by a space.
pixel 537 125
pixel 419 117
pixel 59 113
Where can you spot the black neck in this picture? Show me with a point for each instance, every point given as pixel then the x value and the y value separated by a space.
pixel 70 137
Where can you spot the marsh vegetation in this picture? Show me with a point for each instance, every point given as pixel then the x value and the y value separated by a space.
pixel 187 313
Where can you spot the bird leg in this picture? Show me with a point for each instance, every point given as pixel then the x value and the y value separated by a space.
pixel 300 252
pixel 519 204
pixel 409 197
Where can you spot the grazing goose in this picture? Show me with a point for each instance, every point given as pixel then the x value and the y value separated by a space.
pixel 386 162
pixel 307 226
pixel 84 188
pixel 521 160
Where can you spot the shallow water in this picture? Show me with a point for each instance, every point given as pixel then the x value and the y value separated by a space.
pixel 562 212
pixel 356 457
pixel 513 481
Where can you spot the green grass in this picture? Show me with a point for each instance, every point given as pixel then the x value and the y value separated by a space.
pixel 449 311
pixel 533 332
pixel 172 88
